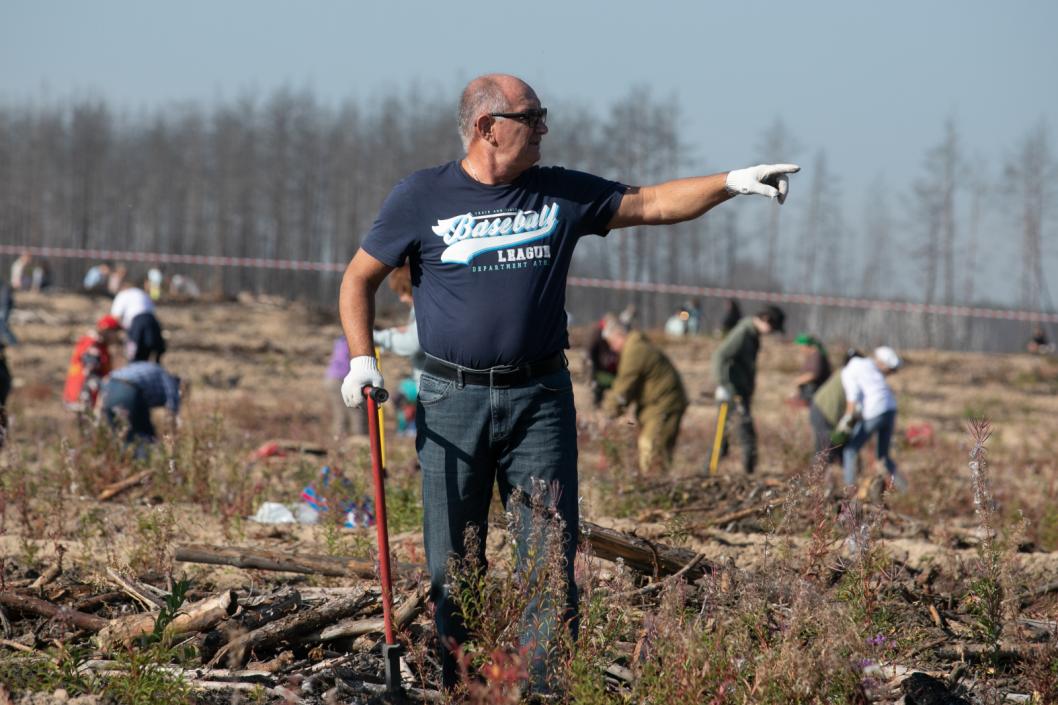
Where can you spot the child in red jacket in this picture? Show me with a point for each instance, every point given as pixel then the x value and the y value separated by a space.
pixel 89 363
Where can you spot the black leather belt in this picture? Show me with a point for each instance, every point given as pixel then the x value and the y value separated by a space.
pixel 503 376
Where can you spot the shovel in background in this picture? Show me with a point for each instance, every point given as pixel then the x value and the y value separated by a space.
pixel 718 441
pixel 391 650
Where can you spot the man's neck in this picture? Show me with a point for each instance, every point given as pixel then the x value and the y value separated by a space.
pixel 485 170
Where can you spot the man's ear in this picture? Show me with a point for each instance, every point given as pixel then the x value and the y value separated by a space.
pixel 484 128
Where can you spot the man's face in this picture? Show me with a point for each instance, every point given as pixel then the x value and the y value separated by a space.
pixel 517 143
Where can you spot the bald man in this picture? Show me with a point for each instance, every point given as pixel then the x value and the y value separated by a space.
pixel 490 238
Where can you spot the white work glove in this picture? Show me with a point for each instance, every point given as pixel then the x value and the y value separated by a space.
pixel 764 180
pixel 722 395
pixel 363 371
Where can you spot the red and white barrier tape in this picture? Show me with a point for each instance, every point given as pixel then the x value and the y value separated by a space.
pixel 612 284
pixel 817 300
pixel 164 258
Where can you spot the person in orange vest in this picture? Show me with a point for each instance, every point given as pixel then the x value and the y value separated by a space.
pixel 89 363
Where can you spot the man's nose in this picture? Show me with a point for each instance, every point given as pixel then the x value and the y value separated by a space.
pixel 541 127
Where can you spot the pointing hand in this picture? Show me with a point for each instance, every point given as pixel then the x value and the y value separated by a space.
pixel 769 180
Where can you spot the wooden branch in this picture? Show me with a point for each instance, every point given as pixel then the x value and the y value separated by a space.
pixel 53 571
pixel 261 559
pixel 116 488
pixel 238 650
pixel 740 514
pixel 147 600
pixel 281 661
pixel 280 605
pixel 972 653
pixel 218 676
pixel 350 628
pixel 25 603
pixel 93 601
pixel 664 581
pixel 647 557
pixel 17 646
pixel 196 617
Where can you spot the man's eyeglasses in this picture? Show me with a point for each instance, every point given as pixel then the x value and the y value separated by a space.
pixel 531 118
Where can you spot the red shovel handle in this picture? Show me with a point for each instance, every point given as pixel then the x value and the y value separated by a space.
pixel 375 396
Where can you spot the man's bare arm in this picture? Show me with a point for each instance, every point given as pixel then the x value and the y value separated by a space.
pixel 686 199
pixel 356 301
pixel 670 202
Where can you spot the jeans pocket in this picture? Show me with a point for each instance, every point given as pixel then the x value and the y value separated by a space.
pixel 433 389
pixel 556 382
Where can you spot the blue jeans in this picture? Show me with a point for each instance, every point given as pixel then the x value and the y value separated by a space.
pixel 6 336
pixel 470 438
pixel 882 424
pixel 126 402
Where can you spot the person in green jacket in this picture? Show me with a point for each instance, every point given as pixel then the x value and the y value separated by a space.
pixel 646 378
pixel 735 372
pixel 826 409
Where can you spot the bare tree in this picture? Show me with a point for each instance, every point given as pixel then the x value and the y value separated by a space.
pixel 1029 174
pixel 777 145
pixel 935 208
pixel 878 250
pixel 821 241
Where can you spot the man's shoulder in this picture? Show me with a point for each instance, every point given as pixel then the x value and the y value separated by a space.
pixel 429 177
pixel 557 174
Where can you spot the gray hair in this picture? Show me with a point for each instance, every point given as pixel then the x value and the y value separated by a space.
pixel 482 95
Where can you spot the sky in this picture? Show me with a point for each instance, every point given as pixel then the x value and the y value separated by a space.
pixel 871 83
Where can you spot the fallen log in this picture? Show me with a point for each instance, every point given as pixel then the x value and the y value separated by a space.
pixel 116 488
pixel 25 603
pixel 261 559
pixel 238 649
pixel 94 601
pixel 656 559
pixel 351 628
pixel 195 617
pixel 220 675
pixel 280 605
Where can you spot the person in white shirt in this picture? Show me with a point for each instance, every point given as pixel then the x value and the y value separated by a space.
pixel 143 333
pixel 870 409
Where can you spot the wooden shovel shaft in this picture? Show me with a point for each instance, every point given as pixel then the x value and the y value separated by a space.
pixel 718 441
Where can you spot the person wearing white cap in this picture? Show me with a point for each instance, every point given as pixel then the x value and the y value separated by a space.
pixel 870 409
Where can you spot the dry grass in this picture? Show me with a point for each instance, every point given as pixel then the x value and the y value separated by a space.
pixel 816 598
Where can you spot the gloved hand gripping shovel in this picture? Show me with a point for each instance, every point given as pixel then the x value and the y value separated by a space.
pixel 391 650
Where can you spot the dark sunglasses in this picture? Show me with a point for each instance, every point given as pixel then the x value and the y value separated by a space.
pixel 531 118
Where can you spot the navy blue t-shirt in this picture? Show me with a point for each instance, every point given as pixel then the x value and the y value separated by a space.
pixel 489 263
